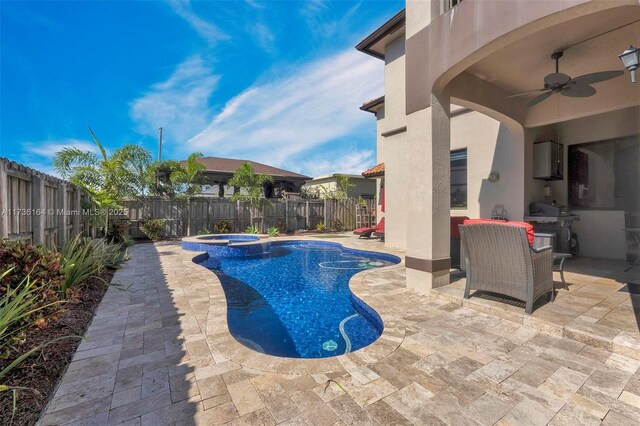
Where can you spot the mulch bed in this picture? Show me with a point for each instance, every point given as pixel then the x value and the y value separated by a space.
pixel 41 371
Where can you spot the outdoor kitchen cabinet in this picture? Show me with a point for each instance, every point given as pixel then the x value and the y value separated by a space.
pixel 548 160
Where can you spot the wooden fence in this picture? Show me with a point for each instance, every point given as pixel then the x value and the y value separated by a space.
pixel 37 207
pixel 46 210
pixel 201 215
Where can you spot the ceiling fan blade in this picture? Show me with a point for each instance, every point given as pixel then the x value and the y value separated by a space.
pixel 579 91
pixel 597 77
pixel 528 92
pixel 538 99
pixel 556 78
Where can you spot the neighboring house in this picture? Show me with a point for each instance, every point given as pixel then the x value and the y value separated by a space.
pixel 454 142
pixel 220 170
pixel 365 188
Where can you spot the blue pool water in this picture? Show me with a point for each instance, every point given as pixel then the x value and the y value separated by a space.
pixel 294 300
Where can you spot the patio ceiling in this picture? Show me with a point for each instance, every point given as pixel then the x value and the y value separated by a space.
pixel 590 43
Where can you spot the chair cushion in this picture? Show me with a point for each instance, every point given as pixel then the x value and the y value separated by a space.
pixel 527 226
pixel 363 230
pixel 380 227
pixel 455 221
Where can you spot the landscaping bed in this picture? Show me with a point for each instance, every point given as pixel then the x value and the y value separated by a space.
pixel 40 372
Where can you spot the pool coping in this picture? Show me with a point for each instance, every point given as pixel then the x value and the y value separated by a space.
pixel 218 335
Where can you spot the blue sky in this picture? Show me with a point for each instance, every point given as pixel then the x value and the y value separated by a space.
pixel 275 82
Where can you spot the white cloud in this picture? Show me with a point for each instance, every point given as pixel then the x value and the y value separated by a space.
pixel 49 148
pixel 207 30
pixel 180 105
pixel 307 107
pixel 315 15
pixel 263 36
pixel 255 4
pixel 347 162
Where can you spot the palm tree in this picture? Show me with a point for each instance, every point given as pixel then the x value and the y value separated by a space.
pixel 245 177
pixel 107 178
pixel 189 178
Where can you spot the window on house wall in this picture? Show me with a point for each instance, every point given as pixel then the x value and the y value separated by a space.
pixel 605 175
pixel 451 3
pixel 459 178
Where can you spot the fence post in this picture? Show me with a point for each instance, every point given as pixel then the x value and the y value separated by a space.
pixel 61 205
pixel 286 214
pixel 39 204
pixel 306 214
pixel 75 219
pixel 325 213
pixel 4 201
pixel 238 224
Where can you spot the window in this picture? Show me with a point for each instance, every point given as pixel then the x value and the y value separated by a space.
pixel 605 175
pixel 459 178
pixel 449 4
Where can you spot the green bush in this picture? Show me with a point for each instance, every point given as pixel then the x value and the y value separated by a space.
pixel 252 230
pixel 320 227
pixel 336 225
pixel 224 227
pixel 85 258
pixel 20 258
pixel 273 231
pixel 153 228
pixel 117 232
pixel 20 308
pixel 79 264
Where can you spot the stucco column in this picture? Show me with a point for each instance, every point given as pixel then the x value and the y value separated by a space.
pixel 427 259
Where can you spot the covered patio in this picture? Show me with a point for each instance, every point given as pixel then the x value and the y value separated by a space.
pixel 487 53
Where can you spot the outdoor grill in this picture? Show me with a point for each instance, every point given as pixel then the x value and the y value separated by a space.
pixel 554 219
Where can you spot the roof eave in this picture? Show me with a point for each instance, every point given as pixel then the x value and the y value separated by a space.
pixel 384 30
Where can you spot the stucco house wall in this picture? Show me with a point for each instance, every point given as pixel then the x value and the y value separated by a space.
pixel 362 187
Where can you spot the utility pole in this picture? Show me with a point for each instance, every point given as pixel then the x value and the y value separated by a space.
pixel 160 146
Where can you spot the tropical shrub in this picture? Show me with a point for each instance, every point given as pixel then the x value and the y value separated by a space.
pixel 320 227
pixel 224 227
pixel 273 231
pixel 20 258
pixel 117 232
pixel 79 264
pixel 127 240
pixel 153 228
pixel 110 255
pixel 336 225
pixel 20 308
pixel 85 258
pixel 252 230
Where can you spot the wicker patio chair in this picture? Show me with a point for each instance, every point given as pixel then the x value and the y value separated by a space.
pixel 499 259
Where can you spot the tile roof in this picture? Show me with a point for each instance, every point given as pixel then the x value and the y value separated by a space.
pixel 374 171
pixel 373 105
pixel 230 165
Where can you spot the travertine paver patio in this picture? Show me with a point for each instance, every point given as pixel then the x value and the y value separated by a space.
pixel 160 353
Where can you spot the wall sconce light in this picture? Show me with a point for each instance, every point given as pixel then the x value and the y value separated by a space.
pixel 630 58
pixel 494 177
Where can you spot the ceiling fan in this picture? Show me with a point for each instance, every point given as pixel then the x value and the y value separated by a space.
pixel 558 82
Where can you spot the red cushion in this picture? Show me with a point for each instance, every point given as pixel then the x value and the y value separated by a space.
pixel 455 221
pixel 363 230
pixel 527 226
pixel 380 226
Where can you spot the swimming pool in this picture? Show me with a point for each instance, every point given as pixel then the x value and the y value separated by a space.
pixel 294 300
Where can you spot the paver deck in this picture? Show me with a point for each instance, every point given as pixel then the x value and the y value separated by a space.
pixel 160 353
